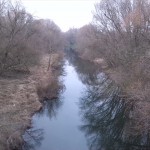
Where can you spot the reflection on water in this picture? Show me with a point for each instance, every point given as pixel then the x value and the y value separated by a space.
pixel 104 115
pixel 33 139
pixel 86 70
pixel 59 119
pixel 50 107
pixel 109 120
pixel 108 116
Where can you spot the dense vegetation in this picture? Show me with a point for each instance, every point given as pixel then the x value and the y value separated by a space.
pixel 120 37
pixel 30 64
pixel 23 39
pixel 118 40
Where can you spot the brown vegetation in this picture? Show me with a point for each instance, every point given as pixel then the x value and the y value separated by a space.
pixel 119 36
pixel 119 39
pixel 30 63
pixel 49 86
pixel 19 99
pixel 16 50
pixel 23 39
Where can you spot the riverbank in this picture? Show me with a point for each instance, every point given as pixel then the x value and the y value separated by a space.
pixel 135 91
pixel 50 126
pixel 134 81
pixel 20 98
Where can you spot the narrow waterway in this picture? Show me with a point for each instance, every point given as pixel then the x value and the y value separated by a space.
pixel 57 126
pixel 91 114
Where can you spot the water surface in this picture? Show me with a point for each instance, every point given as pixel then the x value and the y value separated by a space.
pixel 92 114
pixel 59 122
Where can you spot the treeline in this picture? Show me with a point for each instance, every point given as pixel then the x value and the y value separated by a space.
pixel 119 35
pixel 23 38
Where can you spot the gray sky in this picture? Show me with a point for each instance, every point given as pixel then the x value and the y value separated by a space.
pixel 65 13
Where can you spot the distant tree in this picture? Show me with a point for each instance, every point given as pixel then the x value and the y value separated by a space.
pixel 88 42
pixel 52 39
pixel 70 39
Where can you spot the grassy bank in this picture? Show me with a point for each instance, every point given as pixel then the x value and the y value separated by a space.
pixel 20 98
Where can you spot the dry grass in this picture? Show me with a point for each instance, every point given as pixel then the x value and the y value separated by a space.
pixel 49 87
pixel 136 85
pixel 18 102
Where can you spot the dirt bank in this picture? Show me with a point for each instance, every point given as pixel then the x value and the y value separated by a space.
pixel 19 100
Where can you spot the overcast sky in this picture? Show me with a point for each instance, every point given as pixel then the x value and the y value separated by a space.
pixel 65 13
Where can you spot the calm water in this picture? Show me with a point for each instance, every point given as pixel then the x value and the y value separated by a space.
pixel 59 124
pixel 91 114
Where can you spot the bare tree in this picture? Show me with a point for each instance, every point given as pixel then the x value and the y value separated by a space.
pixel 23 39
pixel 15 51
pixel 52 38
pixel 125 25
pixel 88 42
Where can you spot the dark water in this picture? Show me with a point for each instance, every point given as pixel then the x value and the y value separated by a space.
pixel 91 114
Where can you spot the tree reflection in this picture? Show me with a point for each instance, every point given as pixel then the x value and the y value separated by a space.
pixel 106 116
pixel 32 139
pixel 87 72
pixel 51 107
pixel 111 120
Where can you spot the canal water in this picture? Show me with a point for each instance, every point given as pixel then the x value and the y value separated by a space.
pixel 57 126
pixel 91 114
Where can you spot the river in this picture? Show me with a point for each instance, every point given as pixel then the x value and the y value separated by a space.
pixel 59 122
pixel 89 115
